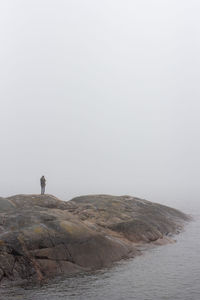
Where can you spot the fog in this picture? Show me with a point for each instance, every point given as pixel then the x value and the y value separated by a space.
pixel 100 97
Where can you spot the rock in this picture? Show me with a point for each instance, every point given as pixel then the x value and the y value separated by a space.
pixel 41 236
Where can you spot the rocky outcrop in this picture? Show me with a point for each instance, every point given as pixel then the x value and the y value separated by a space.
pixel 41 236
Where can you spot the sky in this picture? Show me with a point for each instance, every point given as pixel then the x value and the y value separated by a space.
pixel 101 97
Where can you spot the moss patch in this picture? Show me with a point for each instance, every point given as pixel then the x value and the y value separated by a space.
pixel 72 228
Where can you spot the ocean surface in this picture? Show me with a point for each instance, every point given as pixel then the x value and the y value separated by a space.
pixel 161 273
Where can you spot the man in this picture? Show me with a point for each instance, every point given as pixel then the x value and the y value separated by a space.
pixel 43 184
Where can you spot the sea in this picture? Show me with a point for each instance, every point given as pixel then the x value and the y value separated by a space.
pixel 169 272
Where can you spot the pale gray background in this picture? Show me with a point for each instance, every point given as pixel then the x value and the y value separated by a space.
pixel 101 97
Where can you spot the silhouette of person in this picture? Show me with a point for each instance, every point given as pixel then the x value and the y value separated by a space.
pixel 43 184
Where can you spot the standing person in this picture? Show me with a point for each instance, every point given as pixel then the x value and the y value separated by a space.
pixel 43 184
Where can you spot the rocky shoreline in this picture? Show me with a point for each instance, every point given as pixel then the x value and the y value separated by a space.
pixel 42 236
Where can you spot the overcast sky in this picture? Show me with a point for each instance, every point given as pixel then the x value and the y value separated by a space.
pixel 100 97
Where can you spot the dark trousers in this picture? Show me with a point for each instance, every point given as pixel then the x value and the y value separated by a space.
pixel 42 190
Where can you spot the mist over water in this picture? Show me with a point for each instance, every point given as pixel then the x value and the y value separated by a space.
pixel 100 97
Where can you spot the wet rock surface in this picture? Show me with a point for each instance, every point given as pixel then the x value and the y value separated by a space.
pixel 41 236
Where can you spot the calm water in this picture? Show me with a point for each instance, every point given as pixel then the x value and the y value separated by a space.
pixel 165 272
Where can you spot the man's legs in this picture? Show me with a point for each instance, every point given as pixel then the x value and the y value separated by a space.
pixel 42 190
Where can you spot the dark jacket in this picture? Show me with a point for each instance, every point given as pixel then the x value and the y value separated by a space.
pixel 42 181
